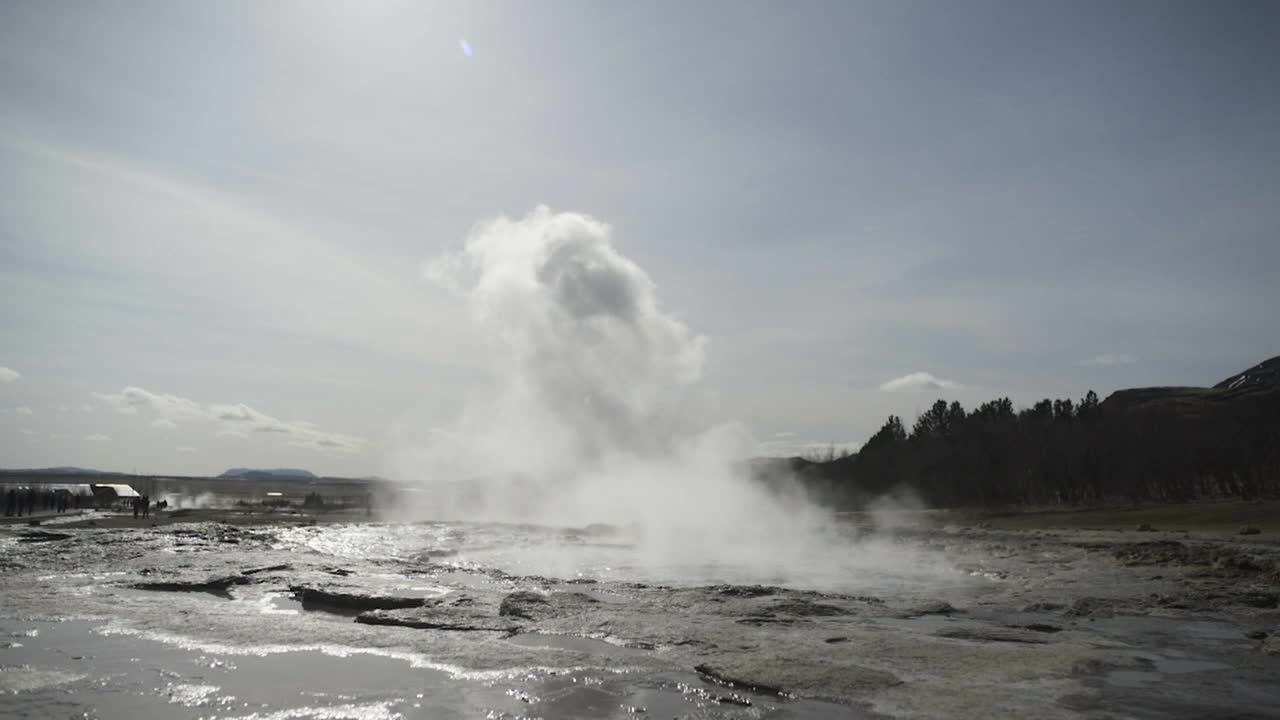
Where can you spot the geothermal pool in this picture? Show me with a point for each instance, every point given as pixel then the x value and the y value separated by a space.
pixel 432 620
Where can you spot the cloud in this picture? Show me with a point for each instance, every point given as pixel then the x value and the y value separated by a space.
pixel 97 437
pixel 23 410
pixel 919 381
pixel 8 375
pixel 27 431
pixel 234 419
pixel 185 449
pixel 171 407
pixel 1108 360
pixel 86 408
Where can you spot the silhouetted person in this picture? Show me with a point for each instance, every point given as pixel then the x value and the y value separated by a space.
pixel 31 501
pixel 10 502
pixel 146 506
pixel 136 501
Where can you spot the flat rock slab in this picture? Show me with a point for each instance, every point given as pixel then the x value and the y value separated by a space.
pixel 267 569
pixel 934 607
pixel 826 680
pixel 352 599
pixel 978 634
pixel 439 617
pixel 529 605
pixel 32 536
pixel 215 585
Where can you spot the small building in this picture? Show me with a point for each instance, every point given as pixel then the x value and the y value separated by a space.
pixel 113 494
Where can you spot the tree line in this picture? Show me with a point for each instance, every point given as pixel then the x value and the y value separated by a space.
pixel 1197 444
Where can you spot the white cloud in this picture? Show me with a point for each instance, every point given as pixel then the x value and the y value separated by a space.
pixel 131 399
pixel 234 419
pixel 919 381
pixel 8 375
pixel 24 410
pixel 185 449
pixel 1108 360
pixel 97 437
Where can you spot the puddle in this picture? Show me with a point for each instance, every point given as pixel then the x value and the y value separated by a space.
pixel 72 669
pixel 575 643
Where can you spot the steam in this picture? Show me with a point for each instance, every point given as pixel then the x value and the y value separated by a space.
pixel 587 419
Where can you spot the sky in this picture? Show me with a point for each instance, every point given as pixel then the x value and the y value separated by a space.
pixel 217 219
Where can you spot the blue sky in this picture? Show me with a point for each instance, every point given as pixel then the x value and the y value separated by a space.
pixel 214 217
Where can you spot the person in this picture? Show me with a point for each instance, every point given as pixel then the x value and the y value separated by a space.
pixel 136 502
pixel 10 500
pixel 146 506
pixel 31 501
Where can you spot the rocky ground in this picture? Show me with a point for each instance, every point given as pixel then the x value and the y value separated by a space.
pixel 1069 623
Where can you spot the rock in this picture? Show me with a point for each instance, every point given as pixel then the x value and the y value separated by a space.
pixel 1161 552
pixel 34 536
pixel 1043 607
pixel 1256 599
pixel 214 585
pixel 989 635
pixel 719 675
pixel 1232 561
pixel 1087 607
pixel 768 619
pixel 1257 635
pixel 352 600
pixel 799 607
pixel 439 616
pixel 530 605
pixel 933 607
pixel 269 568
pixel 1146 527
pixel 744 591
pixel 812 678
pixel 834 640
pixel 1249 530
pixel 1039 627
pixel 1271 645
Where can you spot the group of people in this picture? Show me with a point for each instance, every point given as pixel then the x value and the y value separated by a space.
pixel 142 504
pixel 18 500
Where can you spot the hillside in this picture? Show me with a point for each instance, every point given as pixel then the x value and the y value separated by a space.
pixel 1258 383
pixel 1152 443
pixel 269 474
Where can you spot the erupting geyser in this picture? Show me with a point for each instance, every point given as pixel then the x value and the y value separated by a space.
pixel 588 422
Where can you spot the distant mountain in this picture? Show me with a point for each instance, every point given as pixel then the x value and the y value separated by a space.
pixel 272 474
pixel 1265 373
pixel 1258 382
pixel 65 471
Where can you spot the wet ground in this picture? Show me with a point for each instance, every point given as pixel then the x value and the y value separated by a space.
pixel 432 620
